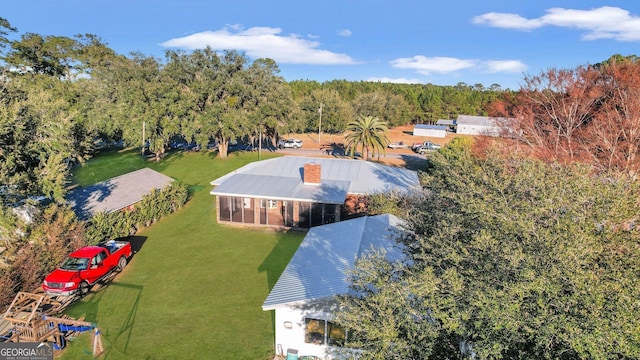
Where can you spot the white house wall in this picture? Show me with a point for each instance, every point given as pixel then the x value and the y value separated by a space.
pixel 429 132
pixel 293 338
pixel 477 130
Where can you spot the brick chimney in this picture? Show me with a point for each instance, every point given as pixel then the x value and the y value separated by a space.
pixel 311 174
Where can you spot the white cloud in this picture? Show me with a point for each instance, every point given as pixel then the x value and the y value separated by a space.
pixel 605 22
pixel 344 32
pixel 428 65
pixel 445 65
pixel 504 66
pixel 395 80
pixel 507 21
pixel 262 42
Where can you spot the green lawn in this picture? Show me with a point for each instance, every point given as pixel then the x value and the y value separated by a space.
pixel 195 288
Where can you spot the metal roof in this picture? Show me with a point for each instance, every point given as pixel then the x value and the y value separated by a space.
pixel 431 127
pixel 282 178
pixel 445 122
pixel 115 193
pixel 477 120
pixel 318 268
pixel 283 188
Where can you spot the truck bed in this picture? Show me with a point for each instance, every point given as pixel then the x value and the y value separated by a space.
pixel 113 246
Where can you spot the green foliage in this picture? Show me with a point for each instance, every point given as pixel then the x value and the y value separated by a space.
pixel 394 203
pixel 5 28
pixel 390 108
pixel 516 258
pixel 53 234
pixel 335 111
pixel 39 134
pixel 152 207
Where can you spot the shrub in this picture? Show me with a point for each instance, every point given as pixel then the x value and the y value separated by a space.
pixel 127 222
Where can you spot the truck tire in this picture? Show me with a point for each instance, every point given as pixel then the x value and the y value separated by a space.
pixel 83 288
pixel 122 263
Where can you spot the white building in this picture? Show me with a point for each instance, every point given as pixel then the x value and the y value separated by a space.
pixel 302 298
pixel 480 125
pixel 438 131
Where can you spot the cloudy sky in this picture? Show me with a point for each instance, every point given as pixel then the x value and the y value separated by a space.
pixel 412 41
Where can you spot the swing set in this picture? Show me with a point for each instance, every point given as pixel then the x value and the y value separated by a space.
pixel 29 319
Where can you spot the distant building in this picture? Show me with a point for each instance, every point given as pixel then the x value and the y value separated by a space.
pixel 439 131
pixel 480 125
pixel 449 123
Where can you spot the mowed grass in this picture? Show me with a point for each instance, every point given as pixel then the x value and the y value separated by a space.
pixel 195 288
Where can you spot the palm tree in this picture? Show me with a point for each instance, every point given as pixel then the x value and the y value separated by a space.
pixel 369 133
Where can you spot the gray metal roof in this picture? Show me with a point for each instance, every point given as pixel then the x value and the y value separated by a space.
pixel 318 268
pixel 116 193
pixel 282 178
pixel 477 120
pixel 445 122
pixel 432 127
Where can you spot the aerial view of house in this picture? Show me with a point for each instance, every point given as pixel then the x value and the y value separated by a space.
pixel 302 192
pixel 303 295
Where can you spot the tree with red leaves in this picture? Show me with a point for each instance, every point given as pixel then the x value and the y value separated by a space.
pixel 587 114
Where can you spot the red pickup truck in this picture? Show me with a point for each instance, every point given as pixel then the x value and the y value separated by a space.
pixel 86 266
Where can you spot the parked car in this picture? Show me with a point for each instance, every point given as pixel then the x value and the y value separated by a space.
pixel 398 145
pixel 86 266
pixel 290 144
pixel 425 146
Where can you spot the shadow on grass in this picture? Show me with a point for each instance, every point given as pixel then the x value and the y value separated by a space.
pixel 88 308
pixel 280 255
pixel 275 263
pixel 126 328
pixel 136 242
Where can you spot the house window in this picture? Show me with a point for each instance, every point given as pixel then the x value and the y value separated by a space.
pixel 225 208
pixel 271 204
pixel 323 332
pixel 304 210
pixel 316 214
pixel 288 213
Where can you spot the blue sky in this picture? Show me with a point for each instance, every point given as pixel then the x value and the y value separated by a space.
pixel 410 41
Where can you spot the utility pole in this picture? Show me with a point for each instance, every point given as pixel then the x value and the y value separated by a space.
pixel 320 124
pixel 260 144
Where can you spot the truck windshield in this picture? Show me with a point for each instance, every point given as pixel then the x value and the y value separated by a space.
pixel 74 264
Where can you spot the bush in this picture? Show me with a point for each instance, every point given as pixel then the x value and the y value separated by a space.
pixel 127 222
